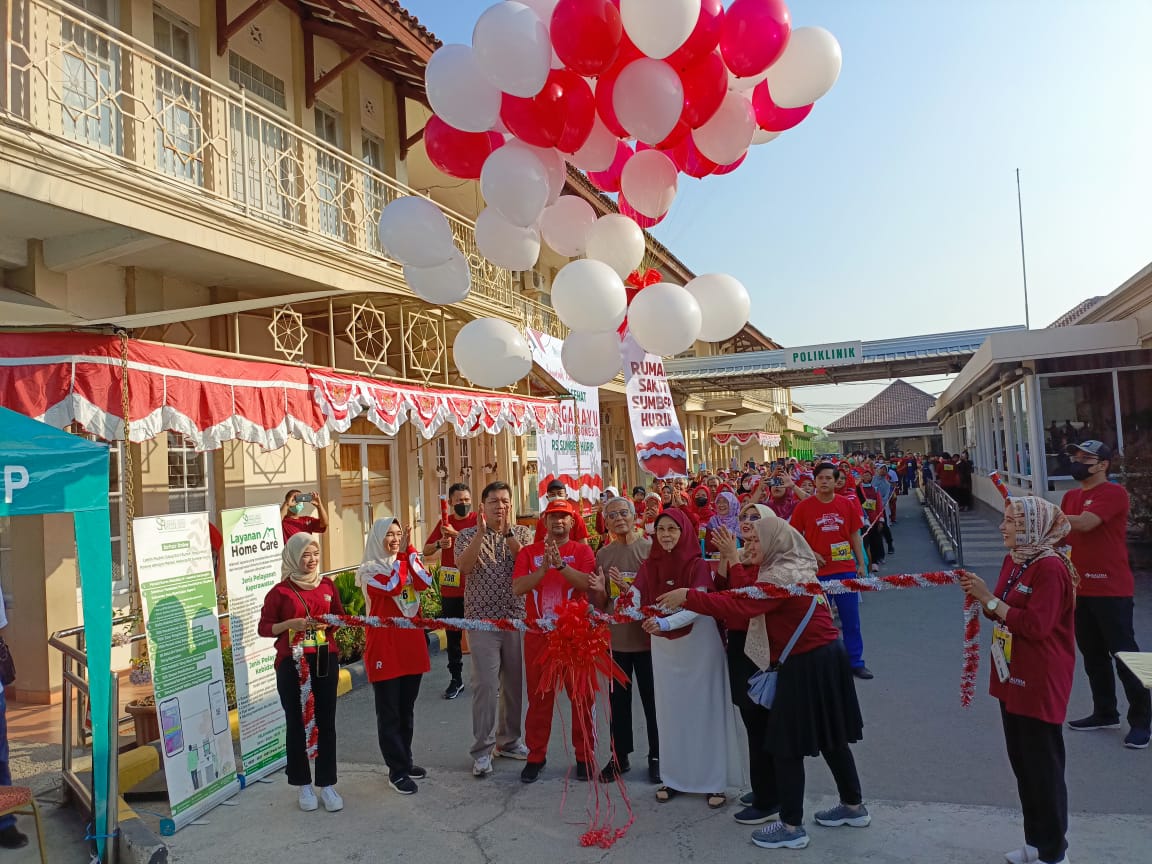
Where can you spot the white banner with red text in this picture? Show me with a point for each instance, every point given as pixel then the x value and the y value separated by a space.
pixel 660 446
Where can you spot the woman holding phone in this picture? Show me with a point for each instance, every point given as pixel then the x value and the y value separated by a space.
pixel 292 509
pixel 290 612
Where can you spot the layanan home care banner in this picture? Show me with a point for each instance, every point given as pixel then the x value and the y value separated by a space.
pixel 556 450
pixel 178 590
pixel 660 446
pixel 253 549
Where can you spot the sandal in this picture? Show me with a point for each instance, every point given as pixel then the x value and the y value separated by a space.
pixel 665 794
pixel 717 800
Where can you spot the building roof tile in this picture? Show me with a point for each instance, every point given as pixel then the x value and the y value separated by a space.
pixel 899 405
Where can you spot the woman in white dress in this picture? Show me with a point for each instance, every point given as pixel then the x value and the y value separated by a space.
pixel 698 746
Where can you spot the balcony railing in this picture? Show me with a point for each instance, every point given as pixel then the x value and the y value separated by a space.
pixel 76 78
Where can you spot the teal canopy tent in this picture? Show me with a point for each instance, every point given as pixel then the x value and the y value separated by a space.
pixel 45 470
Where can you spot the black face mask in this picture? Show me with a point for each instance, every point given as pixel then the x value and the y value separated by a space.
pixel 461 510
pixel 701 501
pixel 1080 471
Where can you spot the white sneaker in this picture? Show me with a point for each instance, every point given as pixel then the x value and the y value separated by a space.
pixel 482 767
pixel 308 801
pixel 332 800
pixel 1025 855
pixel 520 752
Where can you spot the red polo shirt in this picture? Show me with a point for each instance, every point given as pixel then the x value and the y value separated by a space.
pixel 829 529
pixel 554 589
pixel 448 556
pixel 1101 555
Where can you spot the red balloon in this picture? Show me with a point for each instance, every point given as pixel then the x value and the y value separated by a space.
pixel 635 215
pixel 695 164
pixel 705 86
pixel 586 34
pixel 682 131
pixel 754 35
pixel 771 117
pixel 704 38
pixel 605 84
pixel 561 115
pixel 609 181
pixel 458 154
pixel 728 169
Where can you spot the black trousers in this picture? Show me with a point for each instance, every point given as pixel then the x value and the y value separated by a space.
pixel 1103 627
pixel 790 782
pixel 885 533
pixel 874 544
pixel 453 607
pixel 1036 751
pixel 761 767
pixel 299 770
pixel 395 721
pixel 637 665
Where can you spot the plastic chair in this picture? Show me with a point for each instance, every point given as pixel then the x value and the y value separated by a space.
pixel 18 801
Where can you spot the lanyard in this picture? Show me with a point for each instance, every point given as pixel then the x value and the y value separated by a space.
pixel 1016 575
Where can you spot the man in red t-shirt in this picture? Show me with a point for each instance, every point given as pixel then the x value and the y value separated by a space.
pixel 831 524
pixel 557 491
pixel 1098 511
pixel 293 522
pixel 547 574
pixel 443 540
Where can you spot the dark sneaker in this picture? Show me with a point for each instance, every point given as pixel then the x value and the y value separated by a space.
pixel 417 773
pixel 753 816
pixel 654 770
pixel 614 769
pixel 891 551
pixel 583 771
pixel 1137 739
pixel 531 772
pixel 404 784
pixel 455 688
pixel 842 814
pixel 13 838
pixel 779 836
pixel 863 673
pixel 1092 721
pixel 747 799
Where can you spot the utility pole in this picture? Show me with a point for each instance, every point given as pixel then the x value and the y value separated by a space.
pixel 1023 259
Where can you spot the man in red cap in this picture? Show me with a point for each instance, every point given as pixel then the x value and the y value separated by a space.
pixel 547 574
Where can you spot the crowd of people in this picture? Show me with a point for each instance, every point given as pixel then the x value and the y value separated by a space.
pixel 783 666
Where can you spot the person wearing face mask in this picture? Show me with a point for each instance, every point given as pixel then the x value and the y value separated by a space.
pixel 292 519
pixel 557 491
pixel 392 577
pixel 442 540
pixel 1098 513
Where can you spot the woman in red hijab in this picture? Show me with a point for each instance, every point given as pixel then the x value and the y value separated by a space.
pixel 698 743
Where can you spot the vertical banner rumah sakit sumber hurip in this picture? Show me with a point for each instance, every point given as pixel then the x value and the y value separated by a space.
pixel 660 446
pixel 178 592
pixel 253 550
pixel 572 452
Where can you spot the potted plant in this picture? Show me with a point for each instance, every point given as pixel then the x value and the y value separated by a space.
pixel 143 713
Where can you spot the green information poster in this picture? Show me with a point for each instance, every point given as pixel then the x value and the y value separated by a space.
pixel 174 566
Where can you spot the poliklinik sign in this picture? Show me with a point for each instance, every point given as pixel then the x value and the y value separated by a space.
pixel 819 356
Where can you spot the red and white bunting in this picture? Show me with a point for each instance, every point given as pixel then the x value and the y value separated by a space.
pixel 764 439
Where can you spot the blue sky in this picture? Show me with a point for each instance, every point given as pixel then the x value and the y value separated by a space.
pixel 891 210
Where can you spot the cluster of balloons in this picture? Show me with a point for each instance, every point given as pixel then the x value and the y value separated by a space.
pixel 634 93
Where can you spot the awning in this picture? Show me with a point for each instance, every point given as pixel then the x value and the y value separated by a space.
pixel 61 378
pixel 765 439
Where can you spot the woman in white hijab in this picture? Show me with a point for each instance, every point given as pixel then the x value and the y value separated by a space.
pixel 814 710
pixel 392 577
pixel 291 612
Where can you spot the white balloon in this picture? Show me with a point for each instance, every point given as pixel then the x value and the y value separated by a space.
pixel 565 225
pixel 598 151
pixel 592 358
pixel 512 48
pixel 447 283
pixel 744 84
pixel 553 161
pixel 725 137
pixel 659 27
pixel 617 241
pixel 724 305
pixel 458 92
pixel 589 295
pixel 515 182
pixel 491 353
pixel 664 319
pixel 807 69
pixel 763 136
pixel 648 98
pixel 415 231
pixel 649 182
pixel 504 244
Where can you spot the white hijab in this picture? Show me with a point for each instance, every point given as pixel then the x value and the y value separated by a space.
pixel 377 559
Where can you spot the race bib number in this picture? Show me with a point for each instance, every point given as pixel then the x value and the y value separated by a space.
pixel 450 577
pixel 841 551
pixel 1001 651
pixel 408 595
pixel 869 504
pixel 949 467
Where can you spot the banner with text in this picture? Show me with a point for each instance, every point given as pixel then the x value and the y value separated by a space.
pixel 178 592
pixel 562 453
pixel 656 430
pixel 253 548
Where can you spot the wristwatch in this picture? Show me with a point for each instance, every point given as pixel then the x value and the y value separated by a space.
pixel 992 605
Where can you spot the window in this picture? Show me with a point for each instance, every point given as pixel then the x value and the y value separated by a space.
pixel 179 133
pixel 1135 393
pixel 442 467
pixel 330 173
pixel 90 80
pixel 117 518
pixel 377 193
pixel 259 82
pixel 465 451
pixel 1076 408
pixel 188 472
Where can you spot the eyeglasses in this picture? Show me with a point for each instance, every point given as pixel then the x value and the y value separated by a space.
pixel 617 514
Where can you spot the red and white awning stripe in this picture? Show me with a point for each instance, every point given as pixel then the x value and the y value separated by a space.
pixel 61 378
pixel 764 439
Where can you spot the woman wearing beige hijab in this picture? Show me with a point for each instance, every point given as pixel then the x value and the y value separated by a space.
pixel 815 711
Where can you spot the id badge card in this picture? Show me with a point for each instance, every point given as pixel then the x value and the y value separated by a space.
pixel 842 551
pixel 1001 651
pixel 408 595
pixel 450 577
